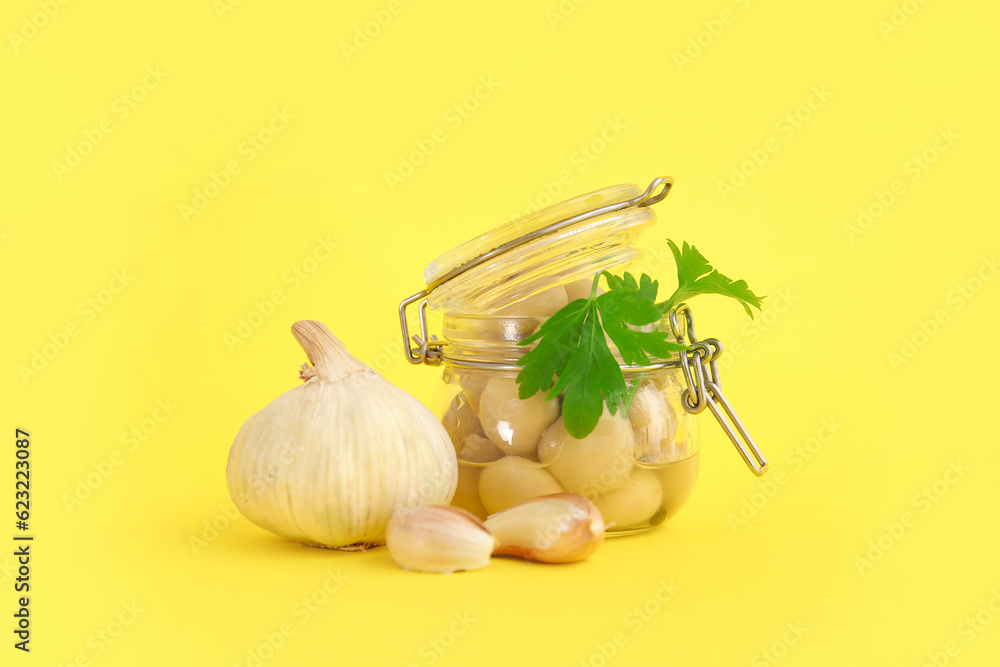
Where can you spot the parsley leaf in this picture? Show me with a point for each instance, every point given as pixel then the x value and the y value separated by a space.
pixel 562 333
pixel 696 276
pixel 572 355
pixel 629 305
pixel 573 349
pixel 590 378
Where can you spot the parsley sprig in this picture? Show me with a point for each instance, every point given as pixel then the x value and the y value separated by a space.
pixel 572 353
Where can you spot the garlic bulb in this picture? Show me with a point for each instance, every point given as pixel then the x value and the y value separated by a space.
pixel 328 462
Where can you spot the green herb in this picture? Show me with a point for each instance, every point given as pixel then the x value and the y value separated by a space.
pixel 573 356
pixel 695 276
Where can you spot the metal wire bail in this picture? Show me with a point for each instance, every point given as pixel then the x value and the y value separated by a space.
pixel 703 390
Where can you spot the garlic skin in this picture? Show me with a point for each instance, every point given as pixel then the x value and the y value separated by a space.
pixel 438 539
pixel 558 528
pixel 328 462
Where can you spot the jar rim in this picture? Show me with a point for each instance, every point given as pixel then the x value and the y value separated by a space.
pixel 491 342
pixel 626 369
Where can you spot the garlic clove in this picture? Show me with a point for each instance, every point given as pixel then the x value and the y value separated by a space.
pixel 467 493
pixel 438 539
pixel 479 449
pixel 513 479
pixel 558 528
pixel 512 424
pixel 633 504
pixel 654 423
pixel 579 289
pixel 599 463
pixel 472 384
pixel 460 420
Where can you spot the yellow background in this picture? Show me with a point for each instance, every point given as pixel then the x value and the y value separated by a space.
pixel 560 74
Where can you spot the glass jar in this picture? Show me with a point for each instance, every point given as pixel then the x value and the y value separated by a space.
pixel 493 292
pixel 639 468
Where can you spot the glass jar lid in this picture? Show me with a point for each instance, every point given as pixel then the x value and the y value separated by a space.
pixel 557 244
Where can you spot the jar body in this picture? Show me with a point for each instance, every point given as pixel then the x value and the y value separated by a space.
pixel 494 291
pixel 639 468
